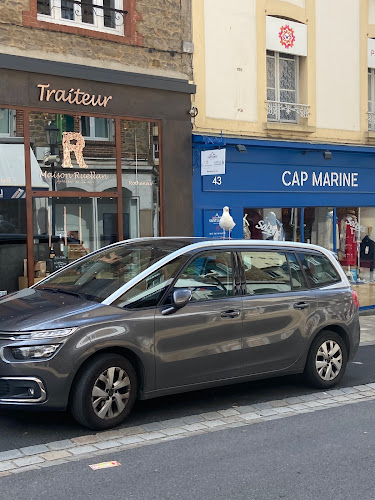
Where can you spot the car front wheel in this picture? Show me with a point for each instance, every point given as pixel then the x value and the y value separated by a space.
pixel 105 392
pixel 326 361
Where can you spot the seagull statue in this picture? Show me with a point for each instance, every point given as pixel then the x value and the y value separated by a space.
pixel 226 221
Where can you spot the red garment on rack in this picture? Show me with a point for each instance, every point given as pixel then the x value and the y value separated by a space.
pixel 351 250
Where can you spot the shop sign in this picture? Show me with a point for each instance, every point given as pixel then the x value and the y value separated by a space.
pixel 278 178
pixel 72 96
pixel 8 193
pixel 213 162
pixel 211 224
pixel 75 147
pixel 371 53
pixel 75 177
pixel 286 36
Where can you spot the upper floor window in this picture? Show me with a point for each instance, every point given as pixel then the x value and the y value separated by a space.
pixel 98 15
pixel 6 122
pixel 371 98
pixel 97 129
pixel 282 86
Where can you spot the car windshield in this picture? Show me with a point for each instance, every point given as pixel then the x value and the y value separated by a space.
pixel 102 273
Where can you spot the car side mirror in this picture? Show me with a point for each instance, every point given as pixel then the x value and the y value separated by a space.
pixel 181 297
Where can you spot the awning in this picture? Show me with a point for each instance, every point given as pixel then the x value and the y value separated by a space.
pixel 12 171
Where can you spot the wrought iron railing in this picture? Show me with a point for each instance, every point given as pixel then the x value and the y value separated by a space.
pixel 274 108
pixel 82 7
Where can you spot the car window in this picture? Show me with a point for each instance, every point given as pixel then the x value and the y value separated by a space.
pixel 298 279
pixel 149 291
pixel 318 269
pixel 209 276
pixel 265 272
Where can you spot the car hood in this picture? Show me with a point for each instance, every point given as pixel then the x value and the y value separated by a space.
pixel 32 309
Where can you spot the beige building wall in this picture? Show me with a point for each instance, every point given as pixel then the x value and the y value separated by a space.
pixel 229 68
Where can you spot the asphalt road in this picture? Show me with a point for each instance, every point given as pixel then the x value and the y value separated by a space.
pixel 24 428
pixel 327 454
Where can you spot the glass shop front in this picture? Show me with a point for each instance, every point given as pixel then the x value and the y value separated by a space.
pixel 279 191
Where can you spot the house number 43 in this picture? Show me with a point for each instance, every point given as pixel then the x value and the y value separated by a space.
pixel 217 180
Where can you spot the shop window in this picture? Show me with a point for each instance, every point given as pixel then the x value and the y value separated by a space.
pixel 266 272
pixel 98 15
pixel 371 99
pixel 97 129
pixel 277 224
pixel 6 122
pixel 282 88
pixel 319 227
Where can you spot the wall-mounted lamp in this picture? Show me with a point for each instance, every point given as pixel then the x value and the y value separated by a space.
pixel 241 148
pixel 327 155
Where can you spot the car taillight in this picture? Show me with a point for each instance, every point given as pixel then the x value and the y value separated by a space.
pixel 355 299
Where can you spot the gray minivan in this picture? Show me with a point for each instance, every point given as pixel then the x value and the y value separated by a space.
pixel 156 316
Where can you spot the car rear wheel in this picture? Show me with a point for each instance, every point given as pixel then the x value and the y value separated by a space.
pixel 326 361
pixel 105 392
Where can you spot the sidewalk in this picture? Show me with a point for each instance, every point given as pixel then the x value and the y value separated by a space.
pixel 367 328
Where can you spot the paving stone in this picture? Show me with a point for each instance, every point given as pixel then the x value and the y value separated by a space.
pixel 308 397
pixel 3 474
pixel 294 400
pixel 342 399
pixel 4 466
pixel 60 445
pixel 250 416
pixel 298 407
pixel 130 431
pixel 106 445
pixel 55 455
pixel 312 404
pixel 174 431
pixel 268 413
pixel 335 392
pixel 154 426
pixel 34 450
pixel 131 440
pixel 149 436
pixel 322 395
pixel 348 390
pixel 275 417
pixel 82 440
pixel 31 460
pixel 246 409
pixel 106 435
pixel 211 415
pixel 372 386
pixel 173 422
pixel 278 403
pixel 81 450
pixel 360 387
pixel 10 454
pixel 283 410
pixel 231 420
pixel 195 427
pixel 192 419
pixel 214 423
pixel 263 406
pixel 25 469
pixel 229 413
pixel 328 401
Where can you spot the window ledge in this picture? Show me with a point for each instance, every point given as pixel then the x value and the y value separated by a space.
pixel 290 127
pixel 370 134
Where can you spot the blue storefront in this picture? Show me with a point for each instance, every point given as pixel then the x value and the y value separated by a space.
pixel 317 193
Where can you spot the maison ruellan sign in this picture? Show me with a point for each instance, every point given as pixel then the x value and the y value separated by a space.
pixel 71 96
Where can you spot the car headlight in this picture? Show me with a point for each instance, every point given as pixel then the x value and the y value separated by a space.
pixel 47 334
pixel 34 351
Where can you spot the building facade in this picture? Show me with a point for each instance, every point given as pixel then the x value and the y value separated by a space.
pixel 285 106
pixel 95 132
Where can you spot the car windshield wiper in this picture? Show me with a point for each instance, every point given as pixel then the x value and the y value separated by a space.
pixel 61 290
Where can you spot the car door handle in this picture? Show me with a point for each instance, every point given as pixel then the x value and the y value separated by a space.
pixel 231 313
pixel 301 305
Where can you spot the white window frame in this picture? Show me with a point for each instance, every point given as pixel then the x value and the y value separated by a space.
pixel 371 99
pixel 11 127
pixel 92 136
pixel 98 20
pixel 277 56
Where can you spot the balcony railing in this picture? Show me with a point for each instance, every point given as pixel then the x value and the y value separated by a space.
pixel 274 108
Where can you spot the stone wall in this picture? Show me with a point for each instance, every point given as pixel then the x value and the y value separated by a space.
pixel 155 45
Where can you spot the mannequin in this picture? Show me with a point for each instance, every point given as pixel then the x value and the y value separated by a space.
pixel 349 235
pixel 367 252
pixel 275 229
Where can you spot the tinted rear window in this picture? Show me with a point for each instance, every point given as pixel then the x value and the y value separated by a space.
pixel 318 269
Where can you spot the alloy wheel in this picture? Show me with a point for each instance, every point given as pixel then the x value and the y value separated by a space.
pixel 110 393
pixel 329 359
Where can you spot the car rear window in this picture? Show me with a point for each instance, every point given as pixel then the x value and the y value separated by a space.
pixel 318 269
